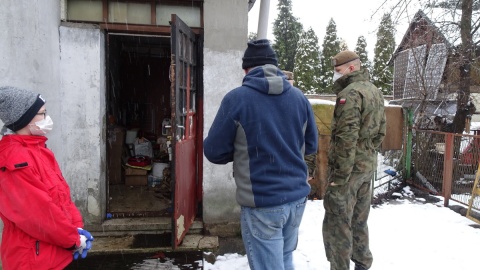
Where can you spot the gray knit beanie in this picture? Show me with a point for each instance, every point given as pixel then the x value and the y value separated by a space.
pixel 18 106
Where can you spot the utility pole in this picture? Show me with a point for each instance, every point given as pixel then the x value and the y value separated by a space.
pixel 263 19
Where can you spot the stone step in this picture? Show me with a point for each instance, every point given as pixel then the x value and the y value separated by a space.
pixel 146 225
pixel 124 244
pixel 121 235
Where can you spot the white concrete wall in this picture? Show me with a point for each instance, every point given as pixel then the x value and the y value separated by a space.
pixel 82 91
pixel 66 64
pixel 33 56
pixel 29 54
pixel 225 40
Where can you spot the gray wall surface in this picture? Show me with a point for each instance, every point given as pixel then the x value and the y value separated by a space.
pixel 66 66
pixel 83 117
pixel 29 49
pixel 226 33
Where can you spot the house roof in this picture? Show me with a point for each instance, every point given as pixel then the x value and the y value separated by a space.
pixel 419 17
pixel 444 21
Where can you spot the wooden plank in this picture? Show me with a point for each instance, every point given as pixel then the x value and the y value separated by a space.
pixel 475 193
pixel 394 133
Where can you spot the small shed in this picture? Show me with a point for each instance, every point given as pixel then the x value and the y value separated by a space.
pixel 427 67
pixel 425 61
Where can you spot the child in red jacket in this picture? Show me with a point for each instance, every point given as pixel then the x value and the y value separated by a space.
pixel 42 226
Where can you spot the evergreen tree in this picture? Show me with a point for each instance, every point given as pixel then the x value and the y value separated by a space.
pixel 286 30
pixel 361 50
pixel 307 63
pixel 330 47
pixel 382 74
pixel 343 44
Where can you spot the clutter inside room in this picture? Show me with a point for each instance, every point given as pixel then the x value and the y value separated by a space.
pixel 139 131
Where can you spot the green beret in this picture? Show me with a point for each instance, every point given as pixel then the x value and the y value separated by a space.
pixel 343 58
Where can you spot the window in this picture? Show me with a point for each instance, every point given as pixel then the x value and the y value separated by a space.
pixel 85 10
pixel 138 12
pixel 125 12
pixel 189 14
pixel 414 83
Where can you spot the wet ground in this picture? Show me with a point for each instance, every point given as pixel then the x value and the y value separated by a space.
pixel 156 259
pixel 191 260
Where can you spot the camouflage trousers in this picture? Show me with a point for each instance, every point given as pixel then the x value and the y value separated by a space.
pixel 345 229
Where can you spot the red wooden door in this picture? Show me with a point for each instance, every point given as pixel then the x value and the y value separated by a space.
pixel 183 76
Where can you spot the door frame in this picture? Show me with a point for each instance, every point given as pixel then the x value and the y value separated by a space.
pixel 198 139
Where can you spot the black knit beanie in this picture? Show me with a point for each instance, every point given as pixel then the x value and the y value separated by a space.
pixel 18 107
pixel 259 53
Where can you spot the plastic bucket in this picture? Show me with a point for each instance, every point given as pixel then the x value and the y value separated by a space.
pixel 157 169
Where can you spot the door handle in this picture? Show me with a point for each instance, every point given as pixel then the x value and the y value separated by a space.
pixel 168 126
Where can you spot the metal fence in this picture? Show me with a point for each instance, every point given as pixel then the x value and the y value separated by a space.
pixel 445 164
pixel 388 177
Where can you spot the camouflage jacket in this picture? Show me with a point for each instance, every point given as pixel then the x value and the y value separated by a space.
pixel 311 161
pixel 358 126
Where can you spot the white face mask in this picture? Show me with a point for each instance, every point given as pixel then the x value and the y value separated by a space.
pixel 337 75
pixel 42 127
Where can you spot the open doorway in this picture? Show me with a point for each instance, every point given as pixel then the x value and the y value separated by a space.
pixel 139 128
pixel 154 107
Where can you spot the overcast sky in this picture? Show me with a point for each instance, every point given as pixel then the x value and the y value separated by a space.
pixel 352 17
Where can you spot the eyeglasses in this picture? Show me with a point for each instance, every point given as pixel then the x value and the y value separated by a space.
pixel 44 113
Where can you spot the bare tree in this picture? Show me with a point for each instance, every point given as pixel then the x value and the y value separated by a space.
pixel 455 24
pixel 466 55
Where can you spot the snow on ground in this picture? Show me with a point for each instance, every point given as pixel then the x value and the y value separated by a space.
pixel 406 233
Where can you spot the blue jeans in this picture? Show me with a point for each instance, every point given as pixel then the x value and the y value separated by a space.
pixel 270 234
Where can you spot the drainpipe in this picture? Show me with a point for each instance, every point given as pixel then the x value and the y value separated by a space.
pixel 263 19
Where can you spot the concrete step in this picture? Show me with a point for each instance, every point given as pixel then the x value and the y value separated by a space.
pixel 146 225
pixel 118 235
pixel 123 244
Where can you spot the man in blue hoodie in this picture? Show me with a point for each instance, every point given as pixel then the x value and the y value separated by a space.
pixel 266 127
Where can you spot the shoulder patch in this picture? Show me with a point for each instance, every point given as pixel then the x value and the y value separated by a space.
pixel 342 101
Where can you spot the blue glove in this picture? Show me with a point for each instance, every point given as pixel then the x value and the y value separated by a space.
pixel 86 239
pixel 390 172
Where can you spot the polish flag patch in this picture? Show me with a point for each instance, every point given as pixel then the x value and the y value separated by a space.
pixel 342 101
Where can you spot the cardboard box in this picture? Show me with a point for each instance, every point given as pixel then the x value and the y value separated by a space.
pixel 136 180
pixel 134 171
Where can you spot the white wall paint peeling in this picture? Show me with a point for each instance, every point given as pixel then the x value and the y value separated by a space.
pixel 82 117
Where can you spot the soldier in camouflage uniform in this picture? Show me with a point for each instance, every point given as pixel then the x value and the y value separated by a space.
pixel 311 161
pixel 358 129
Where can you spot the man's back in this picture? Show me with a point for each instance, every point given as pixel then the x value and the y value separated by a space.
pixel 271 126
pixel 266 126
